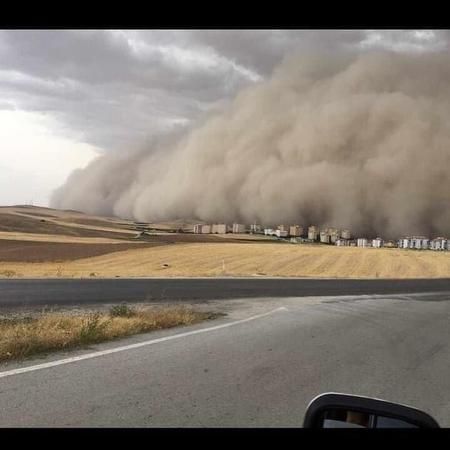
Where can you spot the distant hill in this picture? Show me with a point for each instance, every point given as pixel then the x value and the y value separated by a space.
pixel 49 221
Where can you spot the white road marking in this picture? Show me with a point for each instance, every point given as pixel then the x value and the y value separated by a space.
pixel 60 362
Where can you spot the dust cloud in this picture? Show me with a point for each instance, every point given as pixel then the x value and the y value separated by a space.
pixel 358 141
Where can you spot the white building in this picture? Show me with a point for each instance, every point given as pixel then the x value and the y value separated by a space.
pixel 324 237
pixel 269 231
pixel 403 242
pixel 255 228
pixel 439 243
pixel 342 242
pixel 362 242
pixel 313 232
pixel 418 243
pixel 202 229
pixel 377 242
pixel 345 234
pixel 238 228
pixel 334 235
pixel 281 233
pixel 415 242
pixel 219 228
pixel 295 230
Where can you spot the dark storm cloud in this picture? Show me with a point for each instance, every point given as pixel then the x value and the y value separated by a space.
pixel 116 89
pixel 108 84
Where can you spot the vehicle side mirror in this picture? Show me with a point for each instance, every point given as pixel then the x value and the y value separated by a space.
pixel 333 410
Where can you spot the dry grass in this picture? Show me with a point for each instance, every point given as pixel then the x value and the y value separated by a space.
pixel 27 336
pixel 8 274
pixel 248 259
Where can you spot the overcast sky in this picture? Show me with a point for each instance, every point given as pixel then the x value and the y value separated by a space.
pixel 67 96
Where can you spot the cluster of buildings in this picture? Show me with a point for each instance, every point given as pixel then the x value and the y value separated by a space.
pixel 219 228
pixel 415 242
pixel 285 231
pixel 333 236
pixel 326 236
pixel 423 243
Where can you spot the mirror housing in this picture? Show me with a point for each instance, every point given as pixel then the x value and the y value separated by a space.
pixel 335 410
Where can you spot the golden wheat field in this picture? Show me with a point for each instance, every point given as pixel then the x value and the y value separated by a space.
pixel 244 259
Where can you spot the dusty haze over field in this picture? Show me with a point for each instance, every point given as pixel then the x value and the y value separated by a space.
pixel 351 140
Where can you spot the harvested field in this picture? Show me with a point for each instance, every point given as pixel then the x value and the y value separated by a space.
pixel 45 221
pixel 182 238
pixel 72 244
pixel 19 223
pixel 21 250
pixel 50 216
pixel 28 208
pixel 32 251
pixel 11 236
pixel 95 223
pixel 246 259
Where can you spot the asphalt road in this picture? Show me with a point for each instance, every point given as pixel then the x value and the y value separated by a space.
pixel 69 291
pixel 259 372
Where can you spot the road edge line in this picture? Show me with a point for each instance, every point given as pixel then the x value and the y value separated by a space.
pixel 97 354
